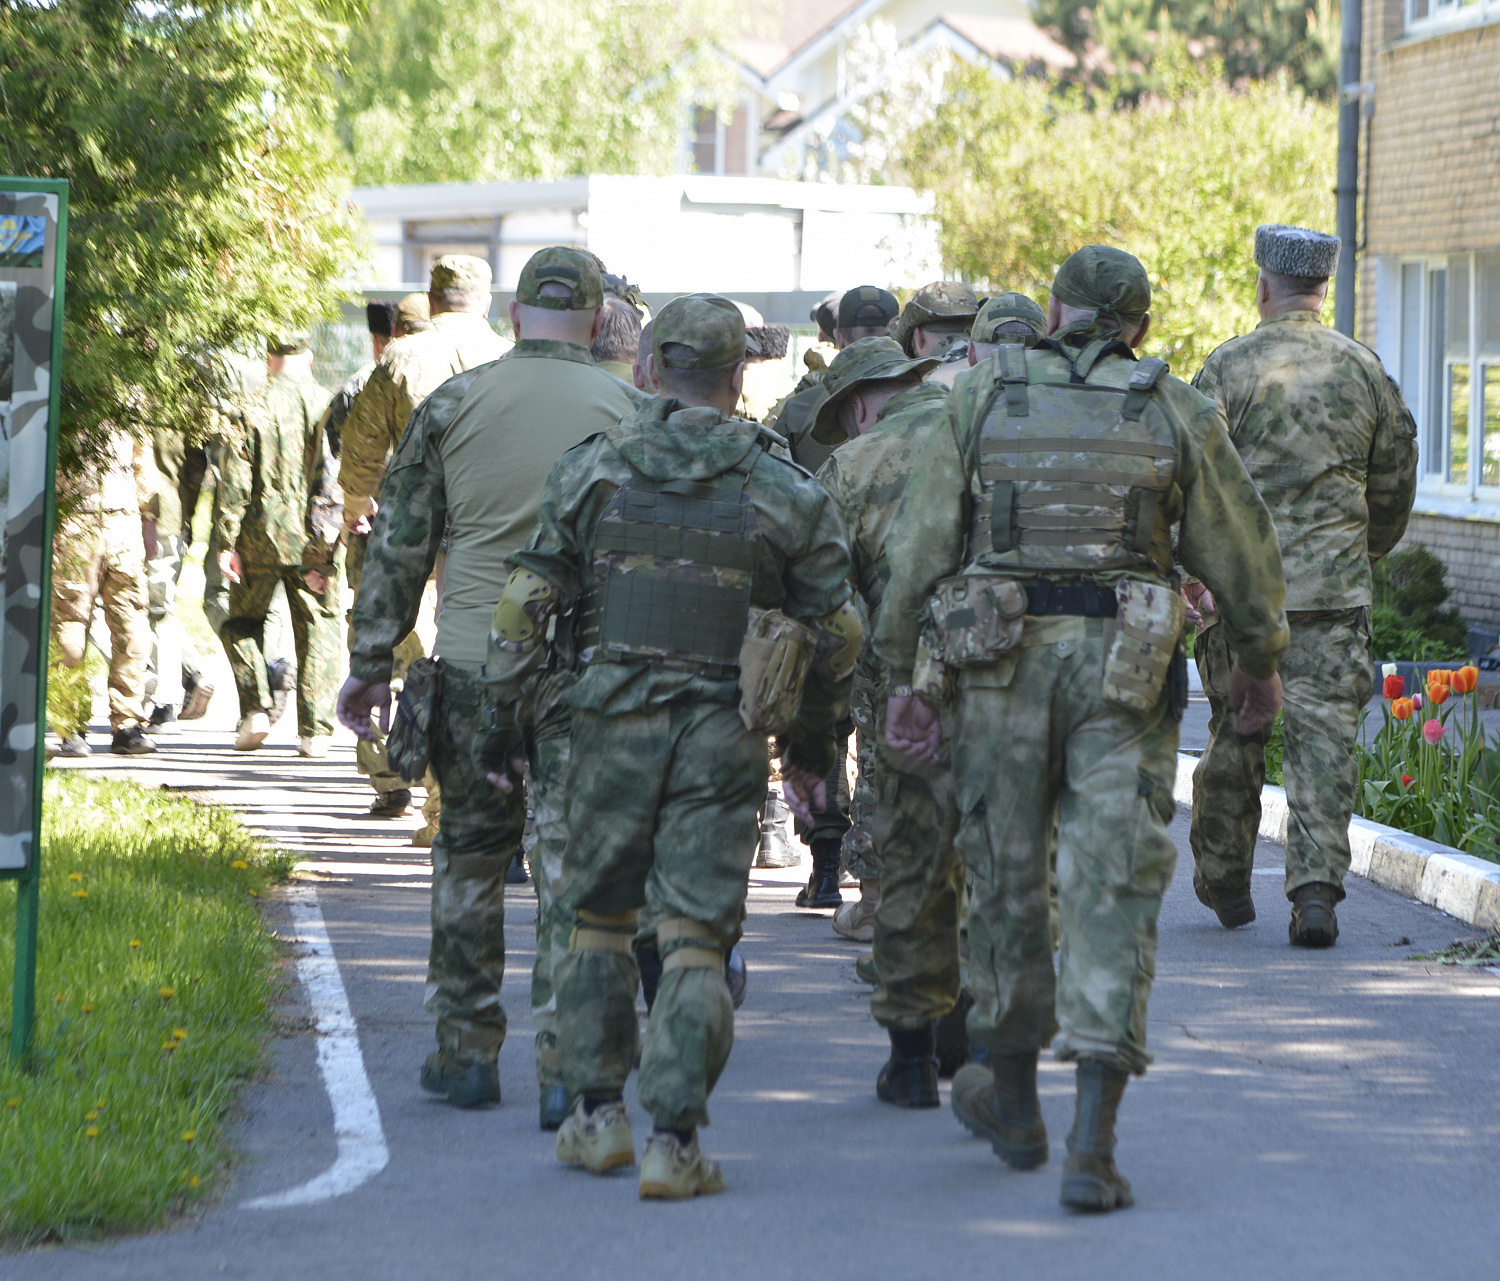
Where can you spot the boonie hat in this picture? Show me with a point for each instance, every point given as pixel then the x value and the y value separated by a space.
pixel 706 332
pixel 941 300
pixel 459 271
pixel 866 360
pixel 1004 309
pixel 577 269
pixel 1102 278
pixel 866 306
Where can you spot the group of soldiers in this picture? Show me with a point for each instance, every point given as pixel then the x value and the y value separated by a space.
pixel 973 540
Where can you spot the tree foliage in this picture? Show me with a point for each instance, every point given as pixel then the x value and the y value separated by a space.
pixel 206 190
pixel 501 90
pixel 1024 172
pixel 1118 41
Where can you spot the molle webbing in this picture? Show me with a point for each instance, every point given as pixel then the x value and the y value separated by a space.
pixel 1010 373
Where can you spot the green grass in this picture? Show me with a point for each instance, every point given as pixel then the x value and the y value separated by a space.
pixel 154 983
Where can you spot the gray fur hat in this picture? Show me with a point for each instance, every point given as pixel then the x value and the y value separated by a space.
pixel 1296 251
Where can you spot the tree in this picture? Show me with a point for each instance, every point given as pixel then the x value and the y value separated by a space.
pixel 207 185
pixel 1024 172
pixel 1118 41
pixel 524 89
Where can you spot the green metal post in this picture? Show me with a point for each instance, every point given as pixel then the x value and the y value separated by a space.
pixel 23 995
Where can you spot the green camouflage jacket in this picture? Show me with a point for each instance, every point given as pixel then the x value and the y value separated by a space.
pixel 276 478
pixel 1329 443
pixel 1225 535
pixel 409 370
pixel 475 458
pixel 867 477
pixel 803 566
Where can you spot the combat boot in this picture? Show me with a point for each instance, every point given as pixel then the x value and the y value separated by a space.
pixel 822 888
pixel 466 1085
pixel 864 969
pixel 1314 921
pixel 1233 910
pixel 856 921
pixel 674 1170
pixel 953 1045
pixel 998 1101
pixel 1090 1180
pixel 596 1136
pixel 393 804
pixel 909 1078
pixel 554 1106
pixel 281 680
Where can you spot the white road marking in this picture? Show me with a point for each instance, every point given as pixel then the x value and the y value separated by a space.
pixel 362 1152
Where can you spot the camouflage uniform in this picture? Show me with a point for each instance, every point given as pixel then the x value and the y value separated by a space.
pixel 909 828
pixel 172 654
pixel 99 555
pixel 276 490
pixel 1033 739
pixel 474 460
pixel 1329 443
pixel 665 779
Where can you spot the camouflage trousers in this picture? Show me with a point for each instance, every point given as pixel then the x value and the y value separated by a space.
pixel 1034 741
pixel 921 876
pixel 661 811
pixel 866 709
pixel 1326 681
pixel 315 638
pixel 173 656
pixel 101 556
pixel 548 752
pixel 480 834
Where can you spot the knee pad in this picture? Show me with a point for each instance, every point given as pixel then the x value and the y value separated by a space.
pixel 610 932
pixel 698 947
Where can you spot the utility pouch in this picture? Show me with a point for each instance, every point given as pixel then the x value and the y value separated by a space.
pixel 774 661
pixel 408 748
pixel 930 678
pixel 1148 632
pixel 973 619
pixel 1177 683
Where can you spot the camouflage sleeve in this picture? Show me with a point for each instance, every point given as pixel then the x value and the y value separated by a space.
pixel 404 542
pixel 1228 541
pixel 376 418
pixel 1391 481
pixel 236 476
pixel 927 540
pixel 324 500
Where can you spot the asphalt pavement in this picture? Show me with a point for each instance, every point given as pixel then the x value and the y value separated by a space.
pixel 1327 1115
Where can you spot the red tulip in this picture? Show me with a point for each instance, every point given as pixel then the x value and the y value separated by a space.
pixel 1407 780
pixel 1393 687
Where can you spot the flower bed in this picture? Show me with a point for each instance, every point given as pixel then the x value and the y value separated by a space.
pixel 1431 770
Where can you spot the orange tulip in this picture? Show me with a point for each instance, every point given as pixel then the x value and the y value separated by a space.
pixel 1440 676
pixel 1438 694
pixel 1465 679
pixel 1402 708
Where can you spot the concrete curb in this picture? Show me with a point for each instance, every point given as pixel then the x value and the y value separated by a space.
pixel 1439 875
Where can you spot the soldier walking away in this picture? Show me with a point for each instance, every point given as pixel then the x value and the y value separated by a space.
pixel 100 556
pixel 277 492
pixel 470 470
pixel 619 335
pixel 1033 618
pixel 679 544
pixel 936 323
pixel 1332 449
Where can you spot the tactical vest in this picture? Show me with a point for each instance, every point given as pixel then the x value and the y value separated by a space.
pixel 1077 478
pixel 674 564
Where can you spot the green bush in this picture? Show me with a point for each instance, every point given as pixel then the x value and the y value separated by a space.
pixel 1409 622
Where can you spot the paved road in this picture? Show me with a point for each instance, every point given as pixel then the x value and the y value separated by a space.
pixel 1324 1115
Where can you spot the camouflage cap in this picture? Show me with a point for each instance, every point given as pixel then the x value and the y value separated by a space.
pixel 867 306
pixel 941 300
pixel 1004 309
pixel 561 265
pixel 459 271
pixel 290 342
pixel 1104 279
pixel 865 360
pixel 707 332
pixel 413 314
pixel 1296 251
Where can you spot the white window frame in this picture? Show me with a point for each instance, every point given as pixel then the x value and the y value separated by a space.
pixel 1422 398
pixel 1444 16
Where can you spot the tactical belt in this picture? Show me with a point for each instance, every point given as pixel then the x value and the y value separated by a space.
pixel 1088 600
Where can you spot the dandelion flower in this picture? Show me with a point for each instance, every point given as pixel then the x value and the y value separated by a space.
pixel 91 1116
pixel 192 1181
pixel 12 1103
pixel 189 1135
pixel 75 876
pixel 92 1132
pixel 60 998
pixel 100 1105
pixel 80 894
pixel 135 942
pixel 239 865
pixel 254 893
pixel 166 993
pixel 180 1033
pixel 88 1009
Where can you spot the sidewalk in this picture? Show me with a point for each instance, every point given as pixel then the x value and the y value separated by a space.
pixel 1327 1115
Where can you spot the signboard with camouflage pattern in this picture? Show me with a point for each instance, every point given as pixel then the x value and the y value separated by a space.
pixel 32 223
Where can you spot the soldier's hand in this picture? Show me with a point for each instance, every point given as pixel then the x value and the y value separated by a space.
pixel 1254 702
pixel 500 754
pixel 913 727
pixel 358 701
pixel 1199 601
pixel 317 582
pixel 229 564
pixel 805 793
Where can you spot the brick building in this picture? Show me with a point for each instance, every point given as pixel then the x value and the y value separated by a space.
pixel 1429 275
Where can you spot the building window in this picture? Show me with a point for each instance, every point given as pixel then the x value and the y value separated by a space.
pixel 1427 16
pixel 705 140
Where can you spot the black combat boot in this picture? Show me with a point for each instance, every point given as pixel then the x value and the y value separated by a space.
pixel 1314 922
pixel 555 1104
pixel 909 1078
pixel 1233 910
pixel 466 1085
pixel 997 1100
pixel 1090 1180
pixel 822 889
pixel 953 1036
